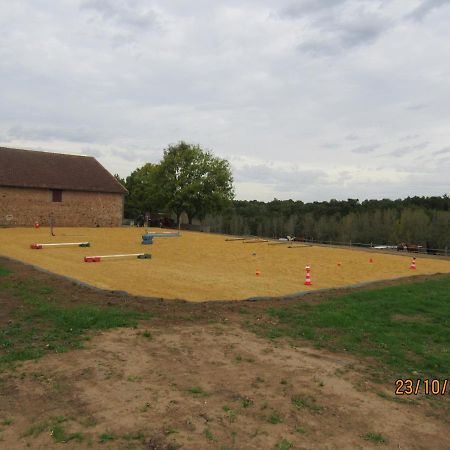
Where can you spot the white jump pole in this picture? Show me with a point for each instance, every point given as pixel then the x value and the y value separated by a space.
pixel 99 258
pixel 79 244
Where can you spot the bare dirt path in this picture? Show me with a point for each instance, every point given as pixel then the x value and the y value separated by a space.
pixel 205 387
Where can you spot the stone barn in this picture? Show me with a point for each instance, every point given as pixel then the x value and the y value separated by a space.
pixel 70 190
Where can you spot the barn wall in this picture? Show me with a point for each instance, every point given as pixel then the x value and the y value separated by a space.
pixel 23 207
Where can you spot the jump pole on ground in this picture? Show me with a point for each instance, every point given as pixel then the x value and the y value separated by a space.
pixel 61 244
pixel 99 258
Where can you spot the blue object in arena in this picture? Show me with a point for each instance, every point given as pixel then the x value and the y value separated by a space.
pixel 147 240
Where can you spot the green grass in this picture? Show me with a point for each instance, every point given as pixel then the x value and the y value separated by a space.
pixel 208 434
pixel 41 324
pixel 365 324
pixel 197 391
pixel 246 402
pixel 4 271
pixel 147 334
pixel 378 438
pixel 274 418
pixel 284 445
pixel 56 428
pixel 106 437
pixel 308 402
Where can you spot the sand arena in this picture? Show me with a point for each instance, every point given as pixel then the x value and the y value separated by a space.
pixel 199 266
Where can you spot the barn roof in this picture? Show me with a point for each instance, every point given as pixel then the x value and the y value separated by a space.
pixel 36 169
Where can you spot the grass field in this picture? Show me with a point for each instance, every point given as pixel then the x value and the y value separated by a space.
pixel 199 266
pixel 90 370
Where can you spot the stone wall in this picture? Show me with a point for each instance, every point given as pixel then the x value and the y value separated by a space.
pixel 24 207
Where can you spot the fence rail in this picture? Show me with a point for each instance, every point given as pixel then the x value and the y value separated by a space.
pixel 420 249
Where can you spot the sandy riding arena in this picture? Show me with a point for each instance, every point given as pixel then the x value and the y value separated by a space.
pixel 198 266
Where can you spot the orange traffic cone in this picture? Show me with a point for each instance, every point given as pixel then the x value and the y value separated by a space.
pixel 370 260
pixel 257 273
pixel 308 276
pixel 413 264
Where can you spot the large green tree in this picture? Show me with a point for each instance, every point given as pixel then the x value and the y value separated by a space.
pixel 144 190
pixel 194 181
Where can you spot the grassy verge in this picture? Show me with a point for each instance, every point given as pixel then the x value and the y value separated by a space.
pixel 41 323
pixel 406 327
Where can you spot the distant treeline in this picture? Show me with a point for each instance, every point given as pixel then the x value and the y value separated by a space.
pixel 417 220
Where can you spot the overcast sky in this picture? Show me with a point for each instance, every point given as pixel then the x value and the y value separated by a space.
pixel 308 99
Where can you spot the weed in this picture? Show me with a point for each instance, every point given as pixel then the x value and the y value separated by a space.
pixel 375 437
pixel 208 434
pixel 147 334
pixel 301 401
pixel 6 422
pixel 36 429
pixel 106 437
pixel 134 436
pixel 283 381
pixel 146 407
pixel 133 378
pixel 274 418
pixel 197 391
pixel 284 445
pixel 169 430
pixel 59 434
pixel 238 358
pixel 300 429
pixel 246 402
pixel 230 413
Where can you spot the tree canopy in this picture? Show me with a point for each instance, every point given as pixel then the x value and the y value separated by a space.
pixel 188 179
pixel 195 181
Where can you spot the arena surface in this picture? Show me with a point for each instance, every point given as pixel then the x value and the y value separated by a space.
pixel 200 266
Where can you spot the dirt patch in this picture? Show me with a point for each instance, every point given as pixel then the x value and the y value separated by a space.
pixel 205 387
pixel 192 377
pixel 201 266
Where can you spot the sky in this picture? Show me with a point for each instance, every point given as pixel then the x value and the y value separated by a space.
pixel 309 99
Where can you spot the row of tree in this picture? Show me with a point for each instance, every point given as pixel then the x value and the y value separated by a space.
pixel 353 223
pixel 191 180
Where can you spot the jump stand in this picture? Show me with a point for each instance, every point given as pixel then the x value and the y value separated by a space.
pixel 99 258
pixel 62 244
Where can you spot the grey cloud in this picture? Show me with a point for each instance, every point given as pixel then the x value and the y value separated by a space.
pixel 442 151
pixel 363 31
pixel 365 148
pixel 351 137
pixel 337 34
pixel 402 151
pixel 300 8
pixel 426 7
pixel 129 13
pixel 416 107
pixel 89 151
pixel 51 134
pixel 409 137
pixel 284 180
